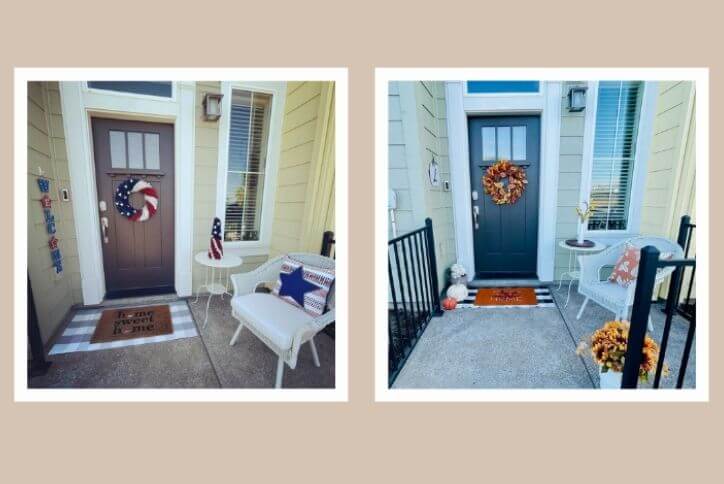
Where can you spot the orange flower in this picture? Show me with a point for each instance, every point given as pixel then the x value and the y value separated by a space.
pixel 609 344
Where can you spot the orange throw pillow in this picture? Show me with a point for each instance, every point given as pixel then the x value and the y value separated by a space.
pixel 627 266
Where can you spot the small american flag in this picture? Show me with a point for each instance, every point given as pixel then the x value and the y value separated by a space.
pixel 216 251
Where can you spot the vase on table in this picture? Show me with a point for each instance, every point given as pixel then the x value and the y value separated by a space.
pixel 609 380
pixel 579 235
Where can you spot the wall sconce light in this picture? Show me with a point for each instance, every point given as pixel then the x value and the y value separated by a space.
pixel 212 106
pixel 577 98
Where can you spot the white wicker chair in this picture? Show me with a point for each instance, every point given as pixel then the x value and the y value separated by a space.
pixel 610 295
pixel 280 325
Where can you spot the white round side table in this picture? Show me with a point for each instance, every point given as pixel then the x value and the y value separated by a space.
pixel 227 262
pixel 574 272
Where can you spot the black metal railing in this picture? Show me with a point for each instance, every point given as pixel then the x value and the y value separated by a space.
pixel 414 294
pixel 648 266
pixel 328 244
pixel 686 306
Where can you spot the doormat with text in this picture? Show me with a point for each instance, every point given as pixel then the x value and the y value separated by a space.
pixel 508 297
pixel 129 323
pixel 132 326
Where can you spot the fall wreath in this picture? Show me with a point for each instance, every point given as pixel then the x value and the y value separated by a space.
pixel 498 191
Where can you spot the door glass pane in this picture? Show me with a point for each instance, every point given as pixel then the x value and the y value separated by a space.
pixel 117 141
pixel 504 142
pixel 488 144
pixel 135 150
pixel 519 140
pixel 151 150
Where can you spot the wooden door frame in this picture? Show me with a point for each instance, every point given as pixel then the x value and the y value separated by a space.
pixel 546 104
pixel 79 104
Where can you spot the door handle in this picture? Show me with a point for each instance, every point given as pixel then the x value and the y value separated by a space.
pixel 476 213
pixel 104 229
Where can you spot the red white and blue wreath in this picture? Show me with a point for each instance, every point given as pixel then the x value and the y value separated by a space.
pixel 123 202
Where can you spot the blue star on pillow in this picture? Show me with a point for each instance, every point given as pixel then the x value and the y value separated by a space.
pixel 294 285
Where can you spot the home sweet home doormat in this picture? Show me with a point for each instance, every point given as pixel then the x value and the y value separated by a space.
pixel 129 323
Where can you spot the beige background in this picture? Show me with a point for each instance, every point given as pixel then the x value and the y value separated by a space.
pixel 360 440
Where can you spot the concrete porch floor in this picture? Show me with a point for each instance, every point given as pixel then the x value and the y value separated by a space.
pixel 199 362
pixel 523 348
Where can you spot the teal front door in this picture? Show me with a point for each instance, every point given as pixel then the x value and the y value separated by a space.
pixel 505 237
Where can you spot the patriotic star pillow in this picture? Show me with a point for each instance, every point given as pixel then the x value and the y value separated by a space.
pixel 216 250
pixel 303 285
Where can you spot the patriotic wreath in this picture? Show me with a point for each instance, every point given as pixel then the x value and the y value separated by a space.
pixel 123 203
pixel 493 182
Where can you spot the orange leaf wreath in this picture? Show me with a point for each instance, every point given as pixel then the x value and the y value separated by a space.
pixel 493 182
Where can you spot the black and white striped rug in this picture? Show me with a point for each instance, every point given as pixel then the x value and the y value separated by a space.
pixel 543 297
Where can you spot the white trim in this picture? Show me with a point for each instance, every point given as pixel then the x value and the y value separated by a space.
pixel 78 106
pixel 531 103
pixel 549 174
pixel 644 138
pixel 278 91
pixel 459 155
pixel 90 91
pixel 83 192
pixel 547 104
pixel 185 141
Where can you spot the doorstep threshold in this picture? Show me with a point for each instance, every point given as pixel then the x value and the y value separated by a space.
pixel 134 301
pixel 510 282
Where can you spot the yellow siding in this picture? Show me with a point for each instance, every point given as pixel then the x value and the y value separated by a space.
pixel 299 128
pixel 670 191
pixel 570 164
pixel 432 128
pixel 671 178
pixel 54 295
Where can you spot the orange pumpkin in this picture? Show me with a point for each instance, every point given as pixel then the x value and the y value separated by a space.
pixel 449 303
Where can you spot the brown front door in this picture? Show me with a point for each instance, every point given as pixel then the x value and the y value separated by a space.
pixel 138 256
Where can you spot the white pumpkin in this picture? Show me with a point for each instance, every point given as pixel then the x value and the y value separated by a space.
pixel 457 291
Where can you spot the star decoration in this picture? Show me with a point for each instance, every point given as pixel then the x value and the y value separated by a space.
pixel 294 285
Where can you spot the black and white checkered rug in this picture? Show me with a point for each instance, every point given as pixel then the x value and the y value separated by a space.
pixel 543 297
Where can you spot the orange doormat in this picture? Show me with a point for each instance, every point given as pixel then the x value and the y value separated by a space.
pixel 129 323
pixel 506 296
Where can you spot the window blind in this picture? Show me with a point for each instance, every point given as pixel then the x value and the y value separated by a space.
pixel 248 135
pixel 614 149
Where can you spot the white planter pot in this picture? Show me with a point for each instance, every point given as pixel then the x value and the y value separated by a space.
pixel 610 380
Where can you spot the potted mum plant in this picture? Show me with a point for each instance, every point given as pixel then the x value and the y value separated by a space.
pixel 608 349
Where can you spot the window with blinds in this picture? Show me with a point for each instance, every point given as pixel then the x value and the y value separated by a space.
pixel 248 135
pixel 614 149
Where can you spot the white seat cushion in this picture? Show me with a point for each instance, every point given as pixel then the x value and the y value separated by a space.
pixel 279 321
pixel 608 290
